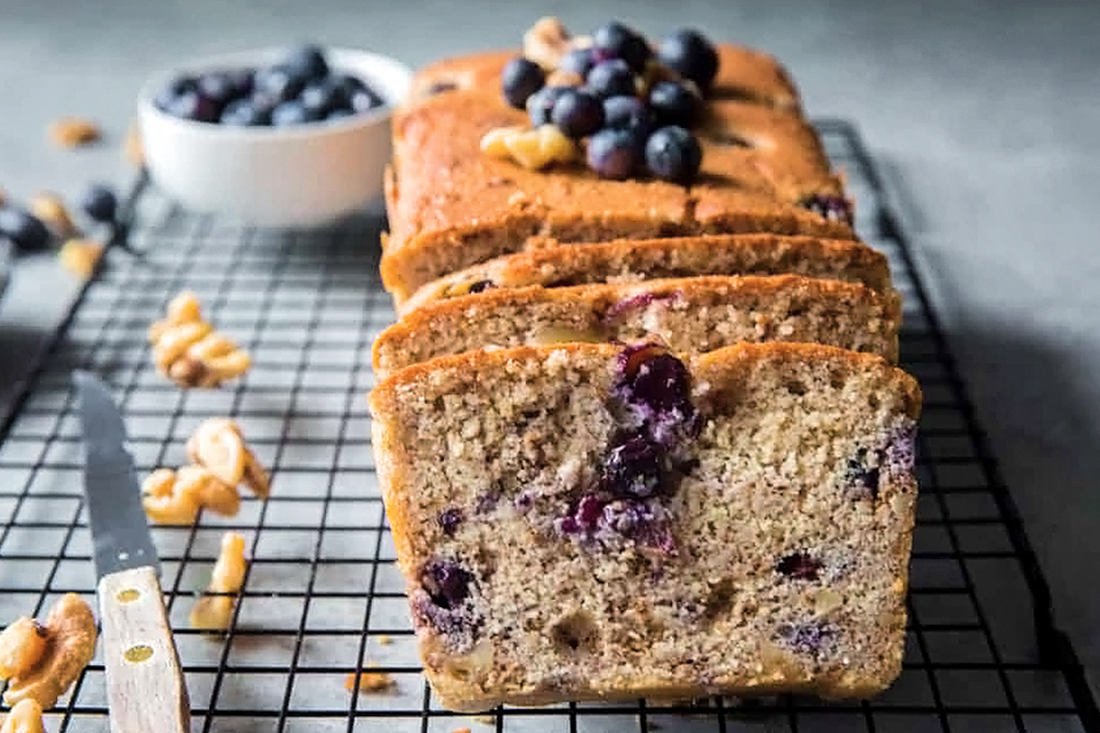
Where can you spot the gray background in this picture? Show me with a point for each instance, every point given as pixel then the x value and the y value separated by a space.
pixel 985 114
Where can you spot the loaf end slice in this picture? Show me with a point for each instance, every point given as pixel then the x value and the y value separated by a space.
pixel 599 522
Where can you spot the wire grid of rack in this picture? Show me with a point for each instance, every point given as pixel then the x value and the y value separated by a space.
pixel 323 596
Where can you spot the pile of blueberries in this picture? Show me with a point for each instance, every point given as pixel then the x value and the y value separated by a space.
pixel 627 134
pixel 29 234
pixel 299 89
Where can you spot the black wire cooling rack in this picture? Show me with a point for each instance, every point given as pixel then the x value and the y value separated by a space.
pixel 323 597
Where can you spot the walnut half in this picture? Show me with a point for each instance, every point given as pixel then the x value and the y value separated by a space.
pixel 42 661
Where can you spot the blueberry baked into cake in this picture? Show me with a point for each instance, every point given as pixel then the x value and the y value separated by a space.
pixel 638 430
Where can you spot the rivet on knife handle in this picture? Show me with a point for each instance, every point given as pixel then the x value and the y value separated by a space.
pixel 145 685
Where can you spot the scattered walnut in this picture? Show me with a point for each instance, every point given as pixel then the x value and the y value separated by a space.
pixel 49 207
pixel 560 78
pixel 219 446
pixel 25 717
pixel 71 132
pixel 545 42
pixel 80 256
pixel 214 611
pixel 533 149
pixel 188 351
pixel 22 645
pixel 368 680
pixel 46 672
pixel 132 149
pixel 175 497
pixel 164 503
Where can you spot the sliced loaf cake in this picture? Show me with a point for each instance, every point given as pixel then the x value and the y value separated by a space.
pixel 593 521
pixel 674 257
pixel 697 314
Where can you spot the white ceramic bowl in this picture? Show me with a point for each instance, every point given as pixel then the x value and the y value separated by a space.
pixel 298 175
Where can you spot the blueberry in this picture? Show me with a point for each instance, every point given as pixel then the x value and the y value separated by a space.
pixel 100 203
pixel 901 454
pixel 520 79
pixel 618 41
pixel 320 98
pixel 656 387
pixel 479 286
pixel 577 113
pixel 308 62
pixel 674 104
pixel 813 638
pixel 347 83
pixel 241 82
pixel 576 61
pixel 26 232
pixel 672 154
pixel 584 518
pixel 628 113
pixel 635 467
pixel 280 82
pixel 829 206
pixel 195 106
pixel 292 113
pixel 264 104
pixel 662 383
pixel 861 478
pixel 242 113
pixel 449 519
pixel 217 87
pixel 542 102
pixel 447 584
pixel 691 55
pixel 364 100
pixel 615 154
pixel 173 90
pixel 611 78
pixel 799 565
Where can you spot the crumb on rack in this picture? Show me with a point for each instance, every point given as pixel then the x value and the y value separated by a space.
pixel 72 132
pixel 369 681
pixel 132 149
pixel 384 639
pixel 79 256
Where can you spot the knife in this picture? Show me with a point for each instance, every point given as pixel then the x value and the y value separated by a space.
pixel 145 686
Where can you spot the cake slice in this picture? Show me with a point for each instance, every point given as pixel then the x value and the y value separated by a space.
pixel 451 206
pixel 590 521
pixel 697 314
pixel 674 257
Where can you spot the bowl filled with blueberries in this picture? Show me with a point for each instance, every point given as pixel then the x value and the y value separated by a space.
pixel 276 137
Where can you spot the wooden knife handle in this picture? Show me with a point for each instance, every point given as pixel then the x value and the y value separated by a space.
pixel 145 686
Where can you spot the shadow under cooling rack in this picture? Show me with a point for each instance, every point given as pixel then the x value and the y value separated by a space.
pixel 323 597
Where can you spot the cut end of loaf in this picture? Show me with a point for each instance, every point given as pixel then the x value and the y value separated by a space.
pixel 589 521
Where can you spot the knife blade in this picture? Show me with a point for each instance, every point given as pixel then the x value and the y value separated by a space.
pixel 145 685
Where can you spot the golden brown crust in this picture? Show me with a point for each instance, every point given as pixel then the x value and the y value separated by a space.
pixel 674 257
pixel 450 205
pixel 688 314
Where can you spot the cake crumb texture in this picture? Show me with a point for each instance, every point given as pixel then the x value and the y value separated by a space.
pixel 737 522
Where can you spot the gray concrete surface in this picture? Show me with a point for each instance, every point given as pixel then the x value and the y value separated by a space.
pixel 986 114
